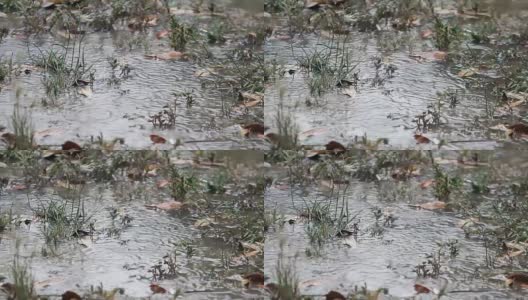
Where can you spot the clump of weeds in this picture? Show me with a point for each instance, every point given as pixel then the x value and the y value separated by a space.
pixel 5 221
pixel 287 286
pixel 63 220
pixel 446 36
pixel 6 67
pixel 166 118
pixel 181 184
pixel 65 68
pixel 328 68
pixel 23 286
pixel 180 34
pixel 445 184
pixel 22 129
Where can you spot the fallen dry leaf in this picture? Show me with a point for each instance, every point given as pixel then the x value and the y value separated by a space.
pixel 156 289
pixel 253 130
pixel 518 129
pixel 48 132
pixel 156 139
pixel 71 147
pixel 420 139
pixel 161 34
pixel 467 73
pixel 254 280
pixel 333 295
pixel 433 205
pixel 313 132
pixel 162 183
pixel 9 138
pixel 203 223
pixel 171 55
pixel 69 295
pixel 167 206
pixel 85 91
pixel 517 280
pixel 425 34
pixel 335 147
pixel 310 283
pixel 420 289
pixel 350 92
pixel 426 183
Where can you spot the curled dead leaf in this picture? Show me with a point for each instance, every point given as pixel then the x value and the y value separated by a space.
pixel 71 147
pixel 253 130
pixel 254 280
pixel 517 280
pixel 333 295
pixel 9 139
pixel 156 139
pixel 420 289
pixel 420 139
pixel 156 289
pixel 518 130
pixel 69 295
pixel 335 147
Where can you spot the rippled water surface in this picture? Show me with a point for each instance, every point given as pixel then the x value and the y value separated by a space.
pixel 121 253
pixel 383 258
pixel 122 109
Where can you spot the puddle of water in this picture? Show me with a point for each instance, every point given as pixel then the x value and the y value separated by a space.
pixel 385 111
pixel 383 106
pixel 122 110
pixel 387 259
pixel 121 255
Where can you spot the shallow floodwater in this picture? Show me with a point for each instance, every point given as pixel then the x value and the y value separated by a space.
pixel 387 259
pixel 122 109
pixel 377 110
pixel 125 247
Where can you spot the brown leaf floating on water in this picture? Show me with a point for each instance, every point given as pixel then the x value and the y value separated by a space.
pixel 253 130
pixel 420 139
pixel 433 205
pixel 156 139
pixel 69 295
pixel 156 289
pixel 518 129
pixel 333 295
pixel 167 206
pixel 254 280
pixel 426 183
pixel 335 147
pixel 517 280
pixel 71 147
pixel 420 289
pixel 9 138
pixel 171 55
